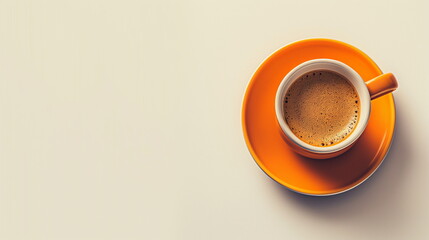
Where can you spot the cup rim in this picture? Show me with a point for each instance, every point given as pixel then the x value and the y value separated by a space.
pixel 341 68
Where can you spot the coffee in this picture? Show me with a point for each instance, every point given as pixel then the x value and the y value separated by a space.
pixel 321 108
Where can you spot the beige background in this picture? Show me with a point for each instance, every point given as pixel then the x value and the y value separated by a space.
pixel 121 120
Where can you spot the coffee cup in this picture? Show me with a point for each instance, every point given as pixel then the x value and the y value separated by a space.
pixel 363 91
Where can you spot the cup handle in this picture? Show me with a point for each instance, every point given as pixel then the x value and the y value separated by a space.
pixel 381 85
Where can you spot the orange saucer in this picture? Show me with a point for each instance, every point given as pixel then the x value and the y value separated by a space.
pixel 270 151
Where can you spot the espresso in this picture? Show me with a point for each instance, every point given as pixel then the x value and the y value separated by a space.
pixel 321 108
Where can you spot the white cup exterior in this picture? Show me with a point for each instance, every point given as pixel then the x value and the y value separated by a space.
pixel 342 69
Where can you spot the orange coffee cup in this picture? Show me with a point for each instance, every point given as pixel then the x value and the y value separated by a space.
pixel 366 91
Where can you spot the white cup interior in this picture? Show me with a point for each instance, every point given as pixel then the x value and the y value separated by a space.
pixel 349 74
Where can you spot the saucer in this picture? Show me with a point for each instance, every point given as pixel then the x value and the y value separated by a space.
pixel 263 135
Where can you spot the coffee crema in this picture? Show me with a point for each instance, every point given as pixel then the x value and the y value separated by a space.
pixel 321 108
